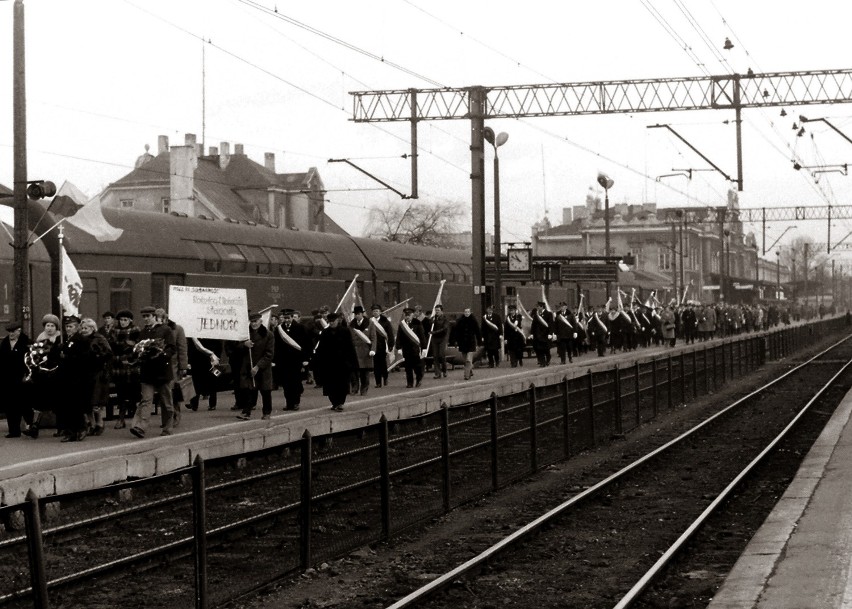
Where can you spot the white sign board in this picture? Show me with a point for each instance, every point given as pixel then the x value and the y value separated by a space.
pixel 210 312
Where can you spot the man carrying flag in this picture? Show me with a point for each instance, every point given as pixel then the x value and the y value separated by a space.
pixel 439 333
pixel 492 336
pixel 291 356
pixel 410 342
pixel 516 340
pixel 467 336
pixel 381 344
pixel 359 326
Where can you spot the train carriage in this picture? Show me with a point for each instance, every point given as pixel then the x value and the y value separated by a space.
pixel 296 269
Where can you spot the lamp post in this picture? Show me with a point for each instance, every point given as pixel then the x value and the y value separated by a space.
pixel 777 274
pixel 496 141
pixel 606 183
pixel 726 289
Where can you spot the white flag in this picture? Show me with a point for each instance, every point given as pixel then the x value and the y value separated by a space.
pixel 72 287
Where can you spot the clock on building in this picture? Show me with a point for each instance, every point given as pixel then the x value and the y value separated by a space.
pixel 520 259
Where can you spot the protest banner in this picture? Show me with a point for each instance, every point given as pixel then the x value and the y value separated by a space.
pixel 210 312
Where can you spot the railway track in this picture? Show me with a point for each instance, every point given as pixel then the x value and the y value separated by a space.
pixel 607 545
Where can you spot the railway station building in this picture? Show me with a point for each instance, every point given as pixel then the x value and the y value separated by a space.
pixel 704 250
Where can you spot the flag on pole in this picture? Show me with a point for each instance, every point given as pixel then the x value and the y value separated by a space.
pixel 71 287
pixel 437 302
pixel 544 299
pixel 266 315
pixel 349 300
pixel 526 318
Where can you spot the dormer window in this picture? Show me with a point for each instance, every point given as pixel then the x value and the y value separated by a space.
pixel 167 204
pixel 127 203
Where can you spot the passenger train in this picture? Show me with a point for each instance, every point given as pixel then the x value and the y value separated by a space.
pixel 293 269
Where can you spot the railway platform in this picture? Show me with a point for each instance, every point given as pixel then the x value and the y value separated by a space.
pixel 51 467
pixel 801 557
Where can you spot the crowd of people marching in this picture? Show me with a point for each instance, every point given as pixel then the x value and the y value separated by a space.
pixel 152 368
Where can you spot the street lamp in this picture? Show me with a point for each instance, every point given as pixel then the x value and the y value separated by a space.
pixel 777 274
pixel 606 183
pixel 496 141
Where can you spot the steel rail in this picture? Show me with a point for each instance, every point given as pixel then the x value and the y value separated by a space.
pixel 447 578
pixel 633 594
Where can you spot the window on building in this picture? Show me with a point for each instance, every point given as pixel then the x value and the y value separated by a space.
pixel 167 204
pixel 693 259
pixel 664 261
pixel 160 283
pixel 714 263
pixel 120 292
pixel 127 203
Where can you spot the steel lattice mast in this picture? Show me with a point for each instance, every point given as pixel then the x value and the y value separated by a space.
pixel 478 103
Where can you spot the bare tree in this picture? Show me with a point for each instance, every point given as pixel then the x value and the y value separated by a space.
pixel 419 223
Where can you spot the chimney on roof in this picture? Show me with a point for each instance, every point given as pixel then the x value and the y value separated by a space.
pixel 269 161
pixel 224 155
pixel 189 139
pixel 199 150
pixel 162 144
pixel 238 149
pixel 182 164
pixel 214 151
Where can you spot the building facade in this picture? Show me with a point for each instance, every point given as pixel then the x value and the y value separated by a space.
pixel 221 185
pixel 679 252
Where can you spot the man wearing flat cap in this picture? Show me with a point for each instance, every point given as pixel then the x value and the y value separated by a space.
pixel 292 355
pixel 253 360
pixel 155 372
pixel 335 360
pixel 13 347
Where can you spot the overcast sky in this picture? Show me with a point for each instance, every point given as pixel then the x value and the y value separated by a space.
pixel 106 77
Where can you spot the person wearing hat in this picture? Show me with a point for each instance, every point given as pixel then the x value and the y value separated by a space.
pixel 566 332
pixel 410 343
pixel 252 359
pixel 291 358
pixel 667 320
pixel 360 329
pixel 689 323
pixel 335 360
pixel 542 331
pixel 492 336
pixel 45 390
pixel 440 334
pixel 100 364
pixel 155 373
pixel 382 340
pixel 13 370
pixel 516 340
pixel 180 362
pixel 125 367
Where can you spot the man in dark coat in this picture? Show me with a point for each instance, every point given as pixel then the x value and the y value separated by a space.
pixel 156 348
pixel 360 329
pixel 542 333
pixel 292 355
pixel 440 333
pixel 598 331
pixel 335 360
pixel 566 332
pixel 411 342
pixel 516 341
pixel 13 348
pixel 77 371
pixel 689 323
pixel 492 336
pixel 254 359
pixel 382 340
pixel 467 337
